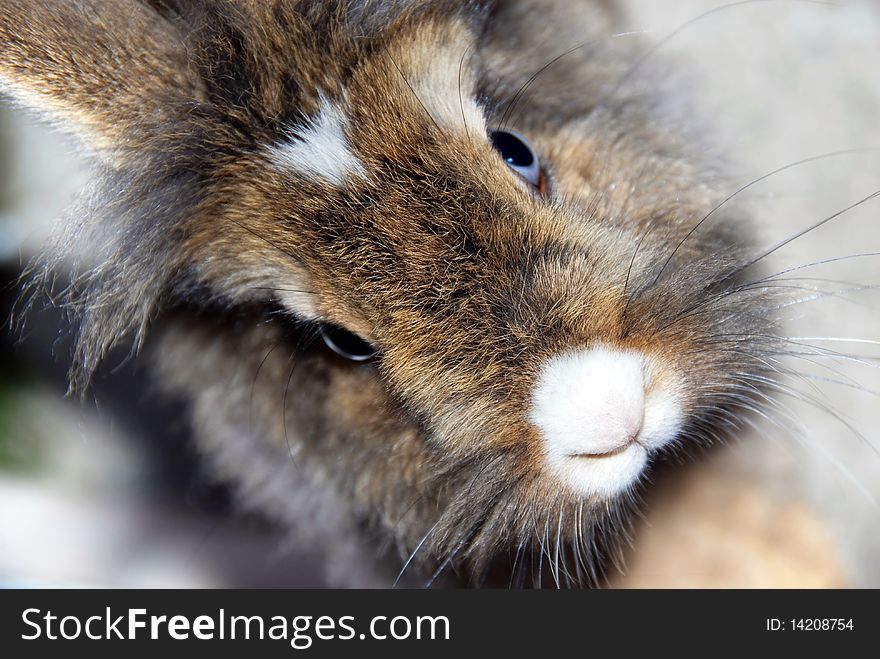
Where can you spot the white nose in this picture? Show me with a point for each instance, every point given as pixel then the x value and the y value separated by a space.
pixel 596 420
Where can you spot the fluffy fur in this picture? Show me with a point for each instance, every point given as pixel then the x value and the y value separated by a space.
pixel 466 280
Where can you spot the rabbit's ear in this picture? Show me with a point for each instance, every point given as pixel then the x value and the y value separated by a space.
pixel 103 69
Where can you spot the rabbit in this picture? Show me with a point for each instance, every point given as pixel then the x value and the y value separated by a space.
pixel 439 282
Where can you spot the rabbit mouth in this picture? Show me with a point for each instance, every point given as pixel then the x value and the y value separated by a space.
pixel 607 454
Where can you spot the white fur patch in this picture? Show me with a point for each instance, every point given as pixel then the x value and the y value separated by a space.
pixel 597 422
pixel 319 148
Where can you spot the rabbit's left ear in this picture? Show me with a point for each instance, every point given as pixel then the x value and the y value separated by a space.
pixel 103 69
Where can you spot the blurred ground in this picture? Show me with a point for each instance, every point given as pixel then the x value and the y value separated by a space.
pixel 87 498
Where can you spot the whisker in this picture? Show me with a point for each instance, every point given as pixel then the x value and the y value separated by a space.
pixel 804 232
pixel 517 96
pixel 254 382
pixel 543 540
pixel 556 549
pixel 415 551
pixel 792 426
pixel 513 568
pixel 655 47
pixel 700 307
pixel 460 96
pixel 256 235
pixel 424 107
pixel 302 344
pixel 827 351
pixel 281 290
pixel 839 295
pixel 448 561
pixel 839 339
pixel 632 261
pixel 800 395
pixel 850 385
pixel 813 264
pixel 753 182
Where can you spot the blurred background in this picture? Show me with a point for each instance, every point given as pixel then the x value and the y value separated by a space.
pixel 106 491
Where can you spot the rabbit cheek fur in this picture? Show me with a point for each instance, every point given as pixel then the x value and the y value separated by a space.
pixel 277 165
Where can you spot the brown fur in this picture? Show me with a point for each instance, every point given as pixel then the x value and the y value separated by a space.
pixel 464 279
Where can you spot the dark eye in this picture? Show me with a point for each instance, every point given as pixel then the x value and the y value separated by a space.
pixel 518 155
pixel 347 344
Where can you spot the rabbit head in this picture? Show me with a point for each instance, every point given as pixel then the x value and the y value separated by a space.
pixel 485 209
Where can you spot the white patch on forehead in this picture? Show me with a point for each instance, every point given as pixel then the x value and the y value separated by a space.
pixel 600 417
pixel 319 148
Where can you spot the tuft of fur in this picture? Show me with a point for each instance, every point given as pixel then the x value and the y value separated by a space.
pixel 463 278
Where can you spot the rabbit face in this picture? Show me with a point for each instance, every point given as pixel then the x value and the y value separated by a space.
pixel 534 348
pixel 538 340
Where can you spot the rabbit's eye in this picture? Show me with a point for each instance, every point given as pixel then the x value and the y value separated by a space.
pixel 518 154
pixel 347 344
